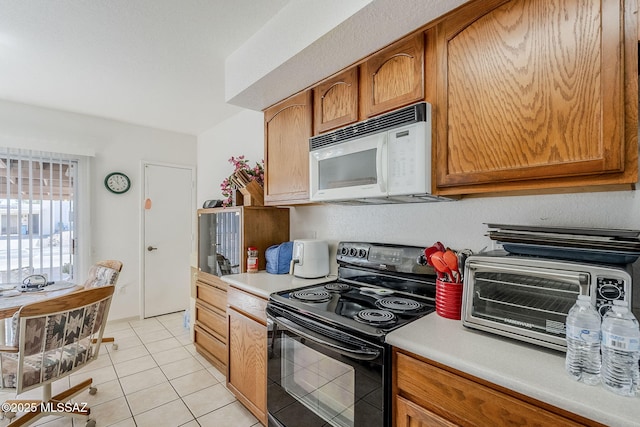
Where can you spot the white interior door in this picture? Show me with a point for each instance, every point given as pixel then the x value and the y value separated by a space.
pixel 168 228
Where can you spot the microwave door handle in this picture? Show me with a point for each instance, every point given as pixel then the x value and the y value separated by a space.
pixel 381 158
pixel 581 278
pixel 362 354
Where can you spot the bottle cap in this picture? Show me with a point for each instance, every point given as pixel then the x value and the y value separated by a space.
pixel 620 307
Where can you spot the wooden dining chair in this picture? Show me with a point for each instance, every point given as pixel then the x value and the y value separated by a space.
pixel 55 339
pixel 104 273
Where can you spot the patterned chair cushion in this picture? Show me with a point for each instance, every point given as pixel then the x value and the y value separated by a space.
pixel 40 367
pixel 101 276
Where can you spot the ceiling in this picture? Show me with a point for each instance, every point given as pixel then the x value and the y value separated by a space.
pixel 157 63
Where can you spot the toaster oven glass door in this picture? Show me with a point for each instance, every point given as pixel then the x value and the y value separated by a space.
pixel 524 300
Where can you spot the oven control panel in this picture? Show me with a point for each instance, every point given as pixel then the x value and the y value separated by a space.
pixel 383 257
pixel 609 289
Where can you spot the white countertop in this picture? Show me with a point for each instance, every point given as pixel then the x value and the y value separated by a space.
pixel 530 370
pixel 263 283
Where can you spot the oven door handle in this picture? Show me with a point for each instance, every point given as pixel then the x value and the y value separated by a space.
pixel 361 354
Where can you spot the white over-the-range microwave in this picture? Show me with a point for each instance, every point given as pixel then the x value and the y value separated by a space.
pixel 385 159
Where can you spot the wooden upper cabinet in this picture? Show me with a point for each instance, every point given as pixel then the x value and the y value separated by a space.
pixel 532 94
pixel 335 102
pixel 393 77
pixel 288 127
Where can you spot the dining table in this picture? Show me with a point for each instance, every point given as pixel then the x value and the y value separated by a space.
pixel 13 297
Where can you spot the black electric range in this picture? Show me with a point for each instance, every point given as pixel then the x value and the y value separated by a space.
pixel 328 361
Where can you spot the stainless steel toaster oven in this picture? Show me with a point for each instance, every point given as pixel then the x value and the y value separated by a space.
pixel 528 298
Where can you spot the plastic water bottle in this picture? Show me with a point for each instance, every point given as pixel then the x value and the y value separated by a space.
pixel 620 350
pixel 582 361
pixel 186 319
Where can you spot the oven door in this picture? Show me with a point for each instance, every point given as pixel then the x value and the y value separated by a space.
pixel 320 380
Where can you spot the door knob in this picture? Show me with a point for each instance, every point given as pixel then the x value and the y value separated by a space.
pixel 151 248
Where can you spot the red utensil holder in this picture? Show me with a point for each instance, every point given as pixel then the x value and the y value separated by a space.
pixel 448 299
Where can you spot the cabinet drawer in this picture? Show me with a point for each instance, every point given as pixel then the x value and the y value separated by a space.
pixel 211 344
pixel 250 304
pixel 408 414
pixel 212 320
pixel 212 296
pixel 451 396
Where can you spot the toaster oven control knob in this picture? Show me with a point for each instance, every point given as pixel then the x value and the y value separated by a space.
pixel 362 253
pixel 422 260
pixel 610 292
pixel 353 252
pixel 344 251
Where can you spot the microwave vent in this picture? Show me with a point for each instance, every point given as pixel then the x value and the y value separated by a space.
pixel 412 114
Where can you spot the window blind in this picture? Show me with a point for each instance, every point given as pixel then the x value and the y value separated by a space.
pixel 37 214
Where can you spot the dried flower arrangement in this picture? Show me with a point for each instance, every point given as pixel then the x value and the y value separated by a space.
pixel 242 175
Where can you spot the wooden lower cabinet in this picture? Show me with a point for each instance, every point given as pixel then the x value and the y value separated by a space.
pixel 426 393
pixel 210 330
pixel 247 351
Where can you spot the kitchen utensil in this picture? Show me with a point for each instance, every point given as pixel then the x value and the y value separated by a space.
pixel 451 259
pixel 440 265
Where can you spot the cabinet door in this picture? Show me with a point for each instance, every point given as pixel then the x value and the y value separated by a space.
pixel 247 364
pixel 394 77
pixel 335 102
pixel 408 414
pixel 531 90
pixel 288 127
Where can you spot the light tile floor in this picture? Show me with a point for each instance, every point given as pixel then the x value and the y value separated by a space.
pixel 155 378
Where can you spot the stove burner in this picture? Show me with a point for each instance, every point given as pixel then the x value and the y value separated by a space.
pixel 312 295
pixel 376 317
pixel 337 287
pixel 399 304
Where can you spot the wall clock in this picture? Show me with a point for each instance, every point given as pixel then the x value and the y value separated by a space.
pixel 117 182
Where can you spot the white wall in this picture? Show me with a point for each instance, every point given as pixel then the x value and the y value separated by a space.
pixel 118 146
pixel 242 134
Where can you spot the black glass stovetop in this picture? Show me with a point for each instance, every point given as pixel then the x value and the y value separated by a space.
pixel 365 308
